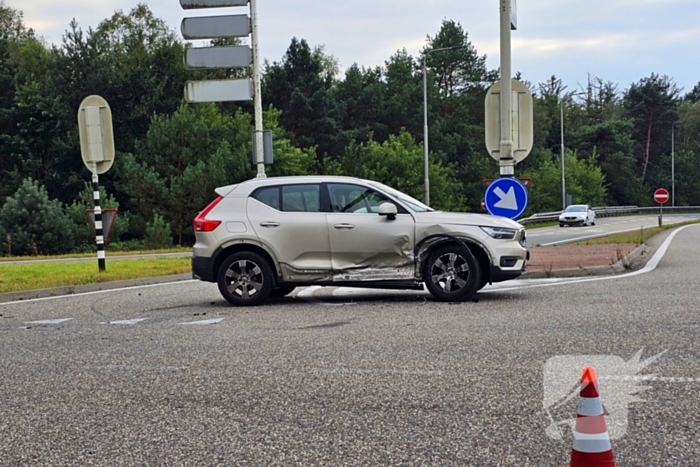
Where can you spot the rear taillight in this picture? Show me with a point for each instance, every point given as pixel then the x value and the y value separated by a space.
pixel 201 224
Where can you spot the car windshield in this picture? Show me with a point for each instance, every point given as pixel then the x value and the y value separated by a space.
pixel 412 203
pixel 576 209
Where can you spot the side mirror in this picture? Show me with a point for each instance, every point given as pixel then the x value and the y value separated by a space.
pixel 389 210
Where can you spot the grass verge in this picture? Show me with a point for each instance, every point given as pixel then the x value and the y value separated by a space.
pixel 637 237
pixel 109 253
pixel 31 276
pixel 541 225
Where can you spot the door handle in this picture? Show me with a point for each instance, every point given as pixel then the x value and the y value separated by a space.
pixel 344 226
pixel 270 224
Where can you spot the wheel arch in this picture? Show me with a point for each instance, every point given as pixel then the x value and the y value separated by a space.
pixel 225 252
pixel 426 246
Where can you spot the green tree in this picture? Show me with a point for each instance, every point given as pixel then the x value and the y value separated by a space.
pixel 158 235
pixel 185 157
pixel 459 68
pixel 398 162
pixel 652 104
pixel 35 223
pixel 584 181
pixel 301 86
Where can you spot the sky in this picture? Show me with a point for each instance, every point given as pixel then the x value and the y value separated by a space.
pixel 621 41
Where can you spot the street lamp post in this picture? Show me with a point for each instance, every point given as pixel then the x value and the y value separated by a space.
pixel 425 118
pixel 673 165
pixel 563 174
pixel 563 170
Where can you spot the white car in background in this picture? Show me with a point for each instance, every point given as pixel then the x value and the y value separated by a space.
pixel 577 214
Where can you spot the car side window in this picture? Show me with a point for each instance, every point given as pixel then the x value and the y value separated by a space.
pixel 269 196
pixel 354 198
pixel 301 198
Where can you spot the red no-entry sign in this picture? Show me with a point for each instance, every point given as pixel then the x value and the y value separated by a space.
pixel 661 195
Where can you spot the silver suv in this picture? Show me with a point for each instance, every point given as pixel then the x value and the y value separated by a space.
pixel 264 237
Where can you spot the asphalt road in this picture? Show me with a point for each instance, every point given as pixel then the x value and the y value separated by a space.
pixel 341 377
pixel 604 226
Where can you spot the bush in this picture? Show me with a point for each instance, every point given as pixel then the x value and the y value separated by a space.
pixel 158 234
pixel 35 223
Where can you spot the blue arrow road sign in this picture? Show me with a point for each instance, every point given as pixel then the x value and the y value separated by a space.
pixel 506 197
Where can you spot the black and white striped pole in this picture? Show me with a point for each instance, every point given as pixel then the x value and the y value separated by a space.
pixel 99 231
pixel 97 151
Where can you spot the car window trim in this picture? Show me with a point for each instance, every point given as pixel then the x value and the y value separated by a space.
pixel 399 207
pixel 322 201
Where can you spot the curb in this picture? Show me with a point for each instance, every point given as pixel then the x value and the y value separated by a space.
pixel 630 262
pixel 75 289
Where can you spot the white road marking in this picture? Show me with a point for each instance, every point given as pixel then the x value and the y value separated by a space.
pixel 308 291
pixel 664 379
pixel 378 371
pixel 203 322
pixel 49 321
pixel 126 321
pixel 528 283
pixel 121 289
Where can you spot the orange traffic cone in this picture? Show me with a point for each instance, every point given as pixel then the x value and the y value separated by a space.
pixel 591 441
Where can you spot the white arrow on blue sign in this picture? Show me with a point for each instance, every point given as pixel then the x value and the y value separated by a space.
pixel 506 197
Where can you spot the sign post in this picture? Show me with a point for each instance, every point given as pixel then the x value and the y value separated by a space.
pixel 227 26
pixel 509 127
pixel 661 196
pixel 97 151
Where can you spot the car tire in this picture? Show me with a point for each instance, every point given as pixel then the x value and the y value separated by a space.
pixel 282 291
pixel 448 267
pixel 561 225
pixel 245 279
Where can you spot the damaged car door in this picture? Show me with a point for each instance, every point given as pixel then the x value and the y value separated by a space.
pixel 367 246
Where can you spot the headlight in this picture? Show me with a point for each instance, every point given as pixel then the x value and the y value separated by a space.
pixel 500 233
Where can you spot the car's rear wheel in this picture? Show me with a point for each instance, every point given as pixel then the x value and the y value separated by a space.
pixel 245 279
pixel 282 291
pixel 452 274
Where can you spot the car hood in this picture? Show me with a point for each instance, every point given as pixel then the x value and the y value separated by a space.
pixel 458 218
pixel 572 214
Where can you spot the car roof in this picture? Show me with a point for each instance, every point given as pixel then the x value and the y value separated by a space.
pixel 248 186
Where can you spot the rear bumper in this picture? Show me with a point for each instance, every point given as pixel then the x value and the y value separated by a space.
pixel 203 268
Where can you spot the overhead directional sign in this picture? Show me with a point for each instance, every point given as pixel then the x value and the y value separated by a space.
pixel 506 197
pixel 212 27
pixel 195 4
pixel 237 56
pixel 223 90
pixel 661 195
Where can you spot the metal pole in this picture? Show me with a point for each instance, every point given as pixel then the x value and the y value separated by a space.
pixel 425 133
pixel 257 98
pixel 563 173
pixel 673 166
pixel 506 163
pixel 99 232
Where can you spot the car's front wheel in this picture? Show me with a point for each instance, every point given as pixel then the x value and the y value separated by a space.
pixel 452 274
pixel 245 279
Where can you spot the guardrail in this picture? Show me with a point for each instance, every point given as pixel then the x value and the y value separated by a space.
pixel 610 211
